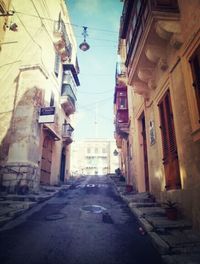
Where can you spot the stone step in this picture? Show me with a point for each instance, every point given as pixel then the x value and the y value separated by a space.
pixel 181 259
pixel 149 204
pixel 162 223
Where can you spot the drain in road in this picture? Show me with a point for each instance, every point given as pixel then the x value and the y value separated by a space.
pixel 97 209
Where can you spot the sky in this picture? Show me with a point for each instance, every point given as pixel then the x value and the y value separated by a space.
pixel 94 115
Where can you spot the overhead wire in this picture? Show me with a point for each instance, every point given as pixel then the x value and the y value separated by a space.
pixel 74 25
pixel 103 92
pixel 97 102
pixel 43 25
pixel 99 115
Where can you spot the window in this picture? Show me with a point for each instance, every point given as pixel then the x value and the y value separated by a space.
pixel 88 150
pixel 122 103
pixel 104 150
pixel 52 99
pixel 122 100
pixel 195 67
pixel 191 74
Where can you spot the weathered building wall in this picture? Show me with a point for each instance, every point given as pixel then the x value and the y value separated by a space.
pixel 171 70
pixel 29 82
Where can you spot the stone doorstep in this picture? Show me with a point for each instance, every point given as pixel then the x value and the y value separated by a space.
pixel 15 208
pixel 131 199
pixel 162 223
pixel 152 212
pixel 181 259
pixel 138 204
pixel 153 224
pixel 15 204
pixel 181 238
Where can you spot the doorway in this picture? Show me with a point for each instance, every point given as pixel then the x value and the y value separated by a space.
pixel 145 155
pixel 63 164
pixel 46 160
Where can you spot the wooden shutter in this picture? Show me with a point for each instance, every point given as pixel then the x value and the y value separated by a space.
pixel 195 65
pixel 170 156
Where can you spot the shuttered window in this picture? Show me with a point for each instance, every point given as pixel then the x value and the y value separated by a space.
pixel 170 156
pixel 195 66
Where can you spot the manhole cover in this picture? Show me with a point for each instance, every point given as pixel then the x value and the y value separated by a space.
pixel 97 209
pixel 90 185
pixel 53 217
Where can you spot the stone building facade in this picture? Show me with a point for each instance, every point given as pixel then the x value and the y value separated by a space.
pixel 159 44
pixel 94 157
pixel 38 76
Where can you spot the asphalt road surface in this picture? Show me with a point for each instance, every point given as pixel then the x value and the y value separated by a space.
pixel 88 224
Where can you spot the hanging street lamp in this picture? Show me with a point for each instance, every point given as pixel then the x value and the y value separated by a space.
pixel 84 46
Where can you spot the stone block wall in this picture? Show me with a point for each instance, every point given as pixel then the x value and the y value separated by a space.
pixel 19 178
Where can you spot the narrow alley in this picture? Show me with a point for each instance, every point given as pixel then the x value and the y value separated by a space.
pixel 69 229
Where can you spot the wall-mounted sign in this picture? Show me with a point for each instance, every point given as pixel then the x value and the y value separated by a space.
pixel 46 115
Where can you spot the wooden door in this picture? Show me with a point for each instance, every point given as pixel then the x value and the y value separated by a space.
pixel 46 161
pixel 170 155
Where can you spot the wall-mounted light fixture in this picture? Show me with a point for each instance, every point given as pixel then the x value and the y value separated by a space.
pixel 115 152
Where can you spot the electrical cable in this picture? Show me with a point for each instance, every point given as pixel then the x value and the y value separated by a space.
pixel 100 115
pixel 103 92
pixel 74 25
pixel 43 25
pixel 9 63
pixel 100 101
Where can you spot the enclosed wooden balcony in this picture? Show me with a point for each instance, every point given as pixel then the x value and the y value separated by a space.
pixel 67 133
pixel 150 29
pixel 69 89
pixel 121 109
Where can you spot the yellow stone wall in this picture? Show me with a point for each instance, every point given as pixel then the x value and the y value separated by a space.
pixel 176 79
pixel 27 81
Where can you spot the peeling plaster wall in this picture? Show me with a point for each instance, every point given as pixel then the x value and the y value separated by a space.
pixel 27 82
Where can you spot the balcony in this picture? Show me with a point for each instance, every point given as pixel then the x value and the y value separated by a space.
pixel 68 100
pixel 150 31
pixel 121 110
pixel 122 122
pixel 67 133
pixel 69 89
pixel 61 41
pixel 120 74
